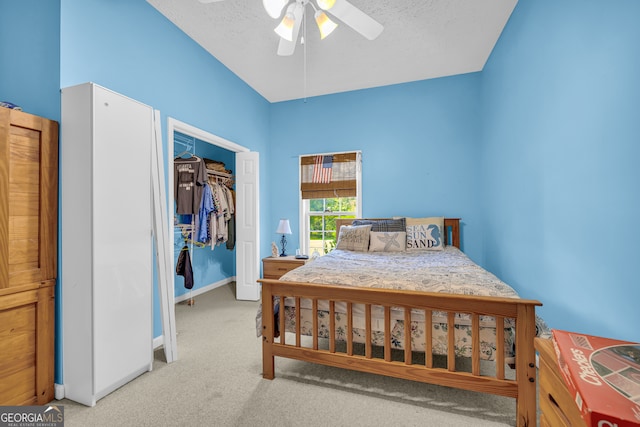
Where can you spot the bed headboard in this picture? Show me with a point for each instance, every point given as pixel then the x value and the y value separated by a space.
pixel 451 226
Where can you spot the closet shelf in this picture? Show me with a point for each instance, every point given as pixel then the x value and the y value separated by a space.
pixel 222 174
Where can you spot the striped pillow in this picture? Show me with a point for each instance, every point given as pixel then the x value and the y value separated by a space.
pixel 383 225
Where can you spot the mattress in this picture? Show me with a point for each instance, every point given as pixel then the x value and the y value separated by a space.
pixel 447 271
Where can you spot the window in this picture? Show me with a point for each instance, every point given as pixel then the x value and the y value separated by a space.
pixel 330 188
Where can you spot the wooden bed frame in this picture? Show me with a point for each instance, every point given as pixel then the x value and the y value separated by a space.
pixel 522 388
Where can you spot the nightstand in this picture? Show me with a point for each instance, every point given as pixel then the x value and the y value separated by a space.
pixel 275 267
pixel 557 407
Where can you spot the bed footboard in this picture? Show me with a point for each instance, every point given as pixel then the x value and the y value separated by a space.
pixel 522 387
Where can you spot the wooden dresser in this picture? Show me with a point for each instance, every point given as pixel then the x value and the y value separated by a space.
pixel 557 407
pixel 275 267
pixel 28 255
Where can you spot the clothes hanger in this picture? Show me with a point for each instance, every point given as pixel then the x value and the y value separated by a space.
pixel 191 155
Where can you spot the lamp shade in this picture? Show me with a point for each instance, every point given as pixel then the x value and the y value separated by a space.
pixel 284 227
pixel 326 4
pixel 285 28
pixel 274 7
pixel 325 25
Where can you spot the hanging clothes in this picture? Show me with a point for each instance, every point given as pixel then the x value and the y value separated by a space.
pixel 231 228
pixel 230 214
pixel 184 268
pixel 222 214
pixel 199 181
pixel 231 233
pixel 206 208
pixel 190 175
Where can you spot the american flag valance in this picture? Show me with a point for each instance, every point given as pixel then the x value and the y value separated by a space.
pixel 322 169
pixel 328 175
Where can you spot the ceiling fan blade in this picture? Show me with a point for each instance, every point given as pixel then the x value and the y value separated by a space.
pixel 356 19
pixel 286 47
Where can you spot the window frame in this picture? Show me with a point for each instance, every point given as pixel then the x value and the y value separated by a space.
pixel 304 204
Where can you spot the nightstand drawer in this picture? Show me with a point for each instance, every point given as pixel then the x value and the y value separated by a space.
pixel 274 268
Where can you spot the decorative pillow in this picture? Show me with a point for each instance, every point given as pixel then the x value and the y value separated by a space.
pixel 378 225
pixel 354 238
pixel 395 241
pixel 425 234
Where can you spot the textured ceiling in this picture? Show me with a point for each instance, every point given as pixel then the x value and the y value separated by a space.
pixel 422 39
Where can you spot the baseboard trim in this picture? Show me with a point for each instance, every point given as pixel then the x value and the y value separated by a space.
pixel 58 391
pixel 202 290
pixel 158 342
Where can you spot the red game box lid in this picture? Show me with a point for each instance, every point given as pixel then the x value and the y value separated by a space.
pixel 603 376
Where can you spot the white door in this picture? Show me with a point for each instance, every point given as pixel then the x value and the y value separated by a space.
pixel 247 226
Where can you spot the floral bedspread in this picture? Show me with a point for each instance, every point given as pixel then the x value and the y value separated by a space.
pixel 447 271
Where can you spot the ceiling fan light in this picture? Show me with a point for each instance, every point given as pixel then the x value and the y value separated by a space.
pixel 285 29
pixel 274 7
pixel 325 25
pixel 325 4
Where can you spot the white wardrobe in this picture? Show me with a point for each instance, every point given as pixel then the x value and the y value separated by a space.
pixel 106 258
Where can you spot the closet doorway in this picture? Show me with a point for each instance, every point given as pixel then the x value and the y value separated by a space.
pixel 247 209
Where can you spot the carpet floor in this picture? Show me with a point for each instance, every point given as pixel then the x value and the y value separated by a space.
pixel 217 381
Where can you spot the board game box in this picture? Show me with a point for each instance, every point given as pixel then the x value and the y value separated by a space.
pixel 603 376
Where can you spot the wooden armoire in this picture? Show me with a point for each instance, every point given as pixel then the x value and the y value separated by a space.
pixel 28 255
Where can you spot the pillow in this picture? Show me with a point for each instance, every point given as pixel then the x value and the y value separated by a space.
pixel 425 234
pixel 395 241
pixel 383 224
pixel 354 238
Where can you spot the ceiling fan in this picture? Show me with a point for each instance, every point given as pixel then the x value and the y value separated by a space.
pixel 289 27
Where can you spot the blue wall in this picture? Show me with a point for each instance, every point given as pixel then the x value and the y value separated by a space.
pixel 129 47
pixel 560 151
pixel 536 153
pixel 30 56
pixel 419 145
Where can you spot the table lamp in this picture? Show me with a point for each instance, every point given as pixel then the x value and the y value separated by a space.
pixel 283 228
